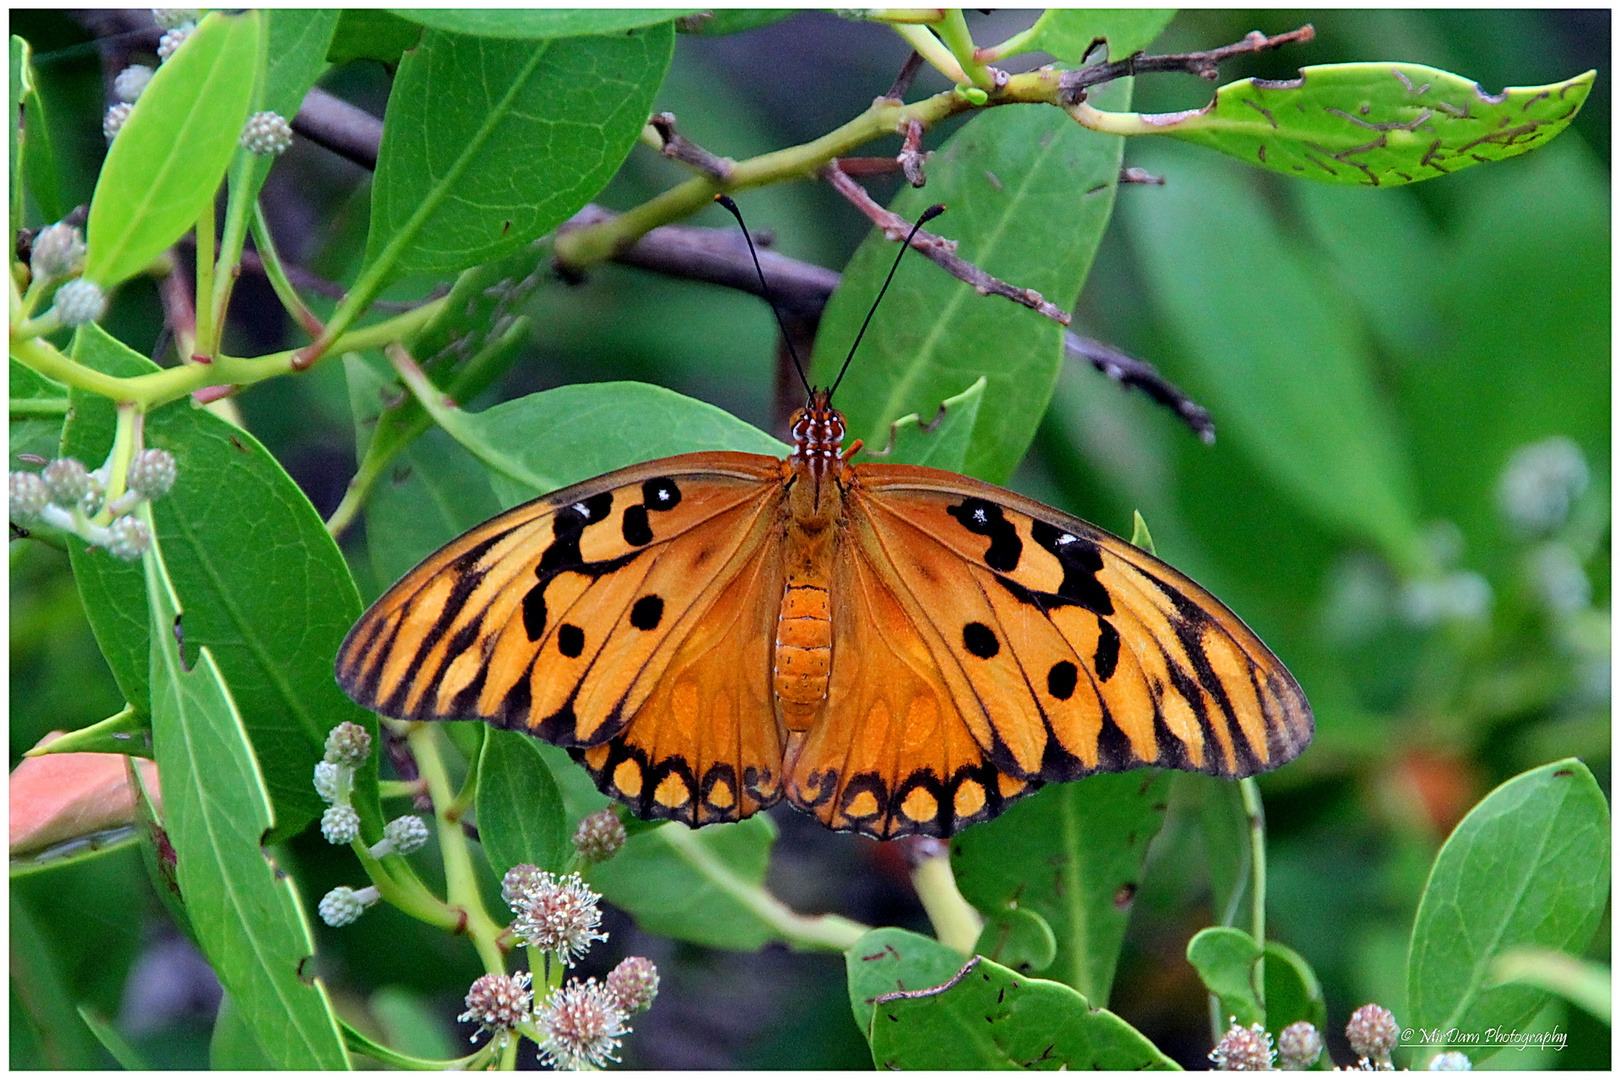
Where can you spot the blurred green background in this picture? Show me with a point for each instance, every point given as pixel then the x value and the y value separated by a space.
pixel 1447 642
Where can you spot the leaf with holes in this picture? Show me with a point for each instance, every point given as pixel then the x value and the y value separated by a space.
pixel 245 912
pixel 1068 33
pixel 1375 124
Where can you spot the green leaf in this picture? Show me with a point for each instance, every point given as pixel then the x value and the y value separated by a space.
pixel 576 432
pixel 1285 367
pixel 988 1017
pixel 1293 992
pixel 35 431
pixel 538 23
pixel 1071 853
pixel 1375 124
pixel 370 34
pixel 1223 823
pixel 126 1055
pixel 298 39
pixel 33 161
pixel 889 959
pixel 233 1045
pixel 157 852
pixel 1587 984
pixel 412 1024
pixel 1018 938
pixel 267 589
pixel 1030 194
pixel 246 914
pixel 520 810
pixel 942 442
pixel 1069 33
pixel 489 143
pixel 717 22
pixel 40 999
pixel 1528 866
pixel 695 885
pixel 1225 958
pixel 163 169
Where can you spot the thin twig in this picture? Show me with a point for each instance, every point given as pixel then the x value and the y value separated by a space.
pixel 1130 373
pixel 938 249
pixel 678 147
pixel 911 154
pixel 1134 175
pixel 1206 65
pixel 902 81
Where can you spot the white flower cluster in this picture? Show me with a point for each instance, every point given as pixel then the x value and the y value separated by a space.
pixel 67 496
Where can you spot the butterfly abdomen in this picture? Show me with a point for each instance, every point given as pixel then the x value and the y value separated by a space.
pixel 802 660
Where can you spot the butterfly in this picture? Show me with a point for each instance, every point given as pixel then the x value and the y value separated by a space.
pixel 893 648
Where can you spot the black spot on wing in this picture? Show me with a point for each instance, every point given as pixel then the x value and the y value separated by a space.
pixel 986 519
pixel 647 612
pixel 861 783
pixel 1062 679
pixel 570 640
pixel 980 640
pixel 1106 658
pixel 1114 753
pixel 661 493
pixel 636 530
pixel 534 612
pixel 1081 560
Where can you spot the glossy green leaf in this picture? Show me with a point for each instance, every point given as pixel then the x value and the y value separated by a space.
pixel 1018 938
pixel 693 884
pixel 33 160
pixel 1375 124
pixel 717 22
pixel 988 1017
pixel 1584 982
pixel 36 425
pixel 1073 854
pixel 1293 992
pixel 1284 367
pixel 166 164
pixel 296 40
pixel 247 916
pixel 1068 33
pixel 1030 194
pixel 520 810
pixel 941 443
pixel 1225 959
pixel 370 34
pixel 265 585
pixel 576 432
pixel 530 23
pixel 126 1055
pixel 489 143
pixel 157 852
pixel 413 1024
pixel 1223 826
pixel 889 959
pixel 1528 866
pixel 41 1000
pixel 233 1046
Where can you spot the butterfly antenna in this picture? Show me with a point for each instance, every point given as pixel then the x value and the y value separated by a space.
pixel 927 215
pixel 765 289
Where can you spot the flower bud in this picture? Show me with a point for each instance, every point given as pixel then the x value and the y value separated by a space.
pixel 128 84
pixel 28 495
pixel 266 134
pixel 58 251
pixel 340 824
pixel 151 473
pixel 113 121
pixel 79 302
pixel 128 538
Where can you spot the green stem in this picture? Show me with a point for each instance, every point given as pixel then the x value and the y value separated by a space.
pixel 461 883
pixel 953 30
pixel 27 408
pixel 802 931
pixel 207 333
pixel 270 258
pixel 957 924
pixel 1257 847
pixel 931 49
pixel 1011 47
pixel 126 439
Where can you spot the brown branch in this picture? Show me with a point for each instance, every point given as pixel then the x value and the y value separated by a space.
pixel 678 147
pixel 938 249
pixel 1206 65
pixel 902 81
pixel 1130 372
pixel 911 154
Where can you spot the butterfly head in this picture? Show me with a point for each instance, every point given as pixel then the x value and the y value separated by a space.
pixel 818 430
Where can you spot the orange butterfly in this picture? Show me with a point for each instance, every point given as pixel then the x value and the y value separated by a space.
pixel 895 649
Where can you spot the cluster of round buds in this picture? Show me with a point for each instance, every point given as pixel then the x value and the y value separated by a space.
pixel 343 905
pixel 402 836
pixel 1299 1045
pixel 634 983
pixel 555 914
pixel 58 252
pixel 347 746
pixel 79 302
pixel 1451 1061
pixel 266 134
pixel 172 39
pixel 112 122
pixel 174 18
pixel 1244 1049
pixel 599 836
pixel 128 84
pixel 499 1003
pixel 66 495
pixel 581 1025
pixel 1372 1032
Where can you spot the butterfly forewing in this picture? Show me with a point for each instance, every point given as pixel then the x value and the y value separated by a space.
pixel 506 623
pixel 1151 669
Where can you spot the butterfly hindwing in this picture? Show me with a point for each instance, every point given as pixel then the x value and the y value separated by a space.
pixel 1086 653
pixel 539 618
